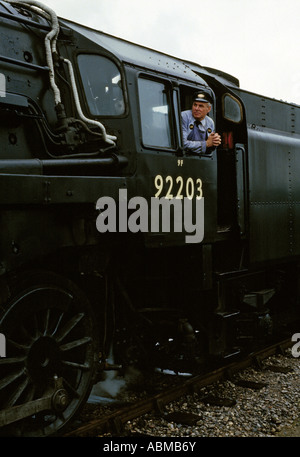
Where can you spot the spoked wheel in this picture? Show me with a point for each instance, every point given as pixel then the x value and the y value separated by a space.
pixel 49 329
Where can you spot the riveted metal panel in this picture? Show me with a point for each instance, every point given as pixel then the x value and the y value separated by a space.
pixel 270 231
pixel 274 192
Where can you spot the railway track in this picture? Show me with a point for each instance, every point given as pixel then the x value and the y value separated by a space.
pixel 114 422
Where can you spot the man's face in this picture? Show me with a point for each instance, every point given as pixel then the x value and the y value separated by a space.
pixel 200 110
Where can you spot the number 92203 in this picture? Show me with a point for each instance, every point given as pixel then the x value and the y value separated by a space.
pixel 178 187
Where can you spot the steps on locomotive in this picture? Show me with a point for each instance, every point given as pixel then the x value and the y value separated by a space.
pixel 259 299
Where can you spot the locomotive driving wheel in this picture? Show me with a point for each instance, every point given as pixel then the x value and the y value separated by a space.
pixel 49 329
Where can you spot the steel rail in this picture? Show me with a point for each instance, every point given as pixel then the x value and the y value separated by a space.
pixel 115 421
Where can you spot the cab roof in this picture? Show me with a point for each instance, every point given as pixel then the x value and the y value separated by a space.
pixel 138 55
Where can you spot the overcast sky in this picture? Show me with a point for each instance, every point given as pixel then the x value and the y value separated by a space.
pixel 257 41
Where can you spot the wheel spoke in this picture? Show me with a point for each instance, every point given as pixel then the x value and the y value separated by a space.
pixel 23 347
pixel 75 344
pixel 61 334
pixel 57 325
pixel 77 366
pixel 46 324
pixel 26 334
pixel 36 330
pixel 11 360
pixel 30 393
pixel 11 378
pixel 70 388
pixel 17 393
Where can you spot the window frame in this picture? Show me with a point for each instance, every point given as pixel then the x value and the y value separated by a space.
pixel 123 85
pixel 171 113
pixel 185 93
pixel 236 100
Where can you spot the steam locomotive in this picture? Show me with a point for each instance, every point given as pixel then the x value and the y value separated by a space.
pixel 90 132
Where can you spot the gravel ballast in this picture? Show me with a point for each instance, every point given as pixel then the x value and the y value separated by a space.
pixel 270 410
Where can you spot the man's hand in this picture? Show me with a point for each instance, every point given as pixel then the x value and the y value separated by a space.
pixel 213 140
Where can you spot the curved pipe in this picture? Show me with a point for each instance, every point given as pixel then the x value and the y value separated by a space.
pixel 50 45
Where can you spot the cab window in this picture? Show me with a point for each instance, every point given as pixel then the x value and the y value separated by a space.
pixel 155 114
pixel 102 85
pixel 232 109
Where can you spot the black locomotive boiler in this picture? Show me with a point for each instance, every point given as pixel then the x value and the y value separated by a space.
pixel 86 116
